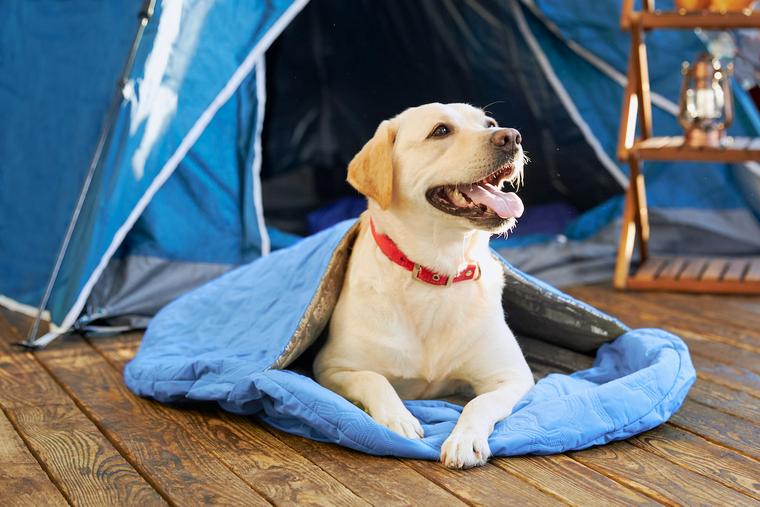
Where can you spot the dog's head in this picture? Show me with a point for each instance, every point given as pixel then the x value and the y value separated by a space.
pixel 449 159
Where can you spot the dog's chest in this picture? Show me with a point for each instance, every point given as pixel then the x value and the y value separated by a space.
pixel 439 331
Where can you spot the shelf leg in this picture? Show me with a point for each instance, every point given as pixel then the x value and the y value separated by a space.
pixel 641 68
pixel 640 213
pixel 628 113
pixel 625 246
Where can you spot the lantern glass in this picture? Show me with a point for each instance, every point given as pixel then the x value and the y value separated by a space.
pixel 705 109
pixel 704 103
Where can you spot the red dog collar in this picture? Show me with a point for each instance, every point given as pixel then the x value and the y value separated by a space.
pixel 421 273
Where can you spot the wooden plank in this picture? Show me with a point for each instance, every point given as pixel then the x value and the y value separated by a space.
pixel 657 477
pixel 673 268
pixel 169 454
pixel 282 476
pixel 703 457
pixel 702 315
pixel 693 269
pixel 753 273
pixel 655 143
pixel 84 464
pixel 736 269
pixel 625 14
pixel 625 243
pixel 392 481
pixel 712 309
pixel 629 108
pixel 650 268
pixel 674 142
pixel 728 306
pixel 81 461
pixel 696 286
pixel 674 149
pixel 23 383
pixel 727 375
pixel 641 68
pixel 486 485
pixel 636 311
pixel 726 399
pixel 719 427
pixel 572 481
pixel 743 358
pixel 640 211
pixel 117 350
pixel 699 19
pixel 714 269
pixel 704 342
pixel 22 481
pixel 716 370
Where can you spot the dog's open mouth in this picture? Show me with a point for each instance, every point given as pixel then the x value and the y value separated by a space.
pixel 482 200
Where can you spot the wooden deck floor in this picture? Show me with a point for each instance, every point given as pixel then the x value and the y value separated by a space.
pixel 70 432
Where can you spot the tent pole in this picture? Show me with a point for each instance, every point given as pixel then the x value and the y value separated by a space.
pixel 146 12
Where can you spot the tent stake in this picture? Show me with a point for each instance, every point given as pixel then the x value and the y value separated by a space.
pixel 105 132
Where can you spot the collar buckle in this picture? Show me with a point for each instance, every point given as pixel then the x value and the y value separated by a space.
pixel 435 277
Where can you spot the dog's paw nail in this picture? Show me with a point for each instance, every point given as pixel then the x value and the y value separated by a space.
pixel 403 423
pixel 465 450
pixel 418 429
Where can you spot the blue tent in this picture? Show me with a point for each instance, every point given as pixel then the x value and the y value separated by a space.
pixel 189 123
pixel 178 197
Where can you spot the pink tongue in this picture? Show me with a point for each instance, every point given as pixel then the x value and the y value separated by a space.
pixel 505 204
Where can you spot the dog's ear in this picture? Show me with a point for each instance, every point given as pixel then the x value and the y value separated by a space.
pixel 371 170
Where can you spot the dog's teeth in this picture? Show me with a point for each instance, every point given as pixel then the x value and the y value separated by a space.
pixel 457 197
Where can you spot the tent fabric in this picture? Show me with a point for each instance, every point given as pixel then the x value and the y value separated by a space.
pixel 193 104
pixel 341 98
pixel 210 110
pixel 228 341
pixel 50 117
pixel 209 59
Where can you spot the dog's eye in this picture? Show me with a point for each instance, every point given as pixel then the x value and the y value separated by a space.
pixel 490 123
pixel 440 130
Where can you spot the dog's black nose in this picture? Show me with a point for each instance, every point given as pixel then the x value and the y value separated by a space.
pixel 507 139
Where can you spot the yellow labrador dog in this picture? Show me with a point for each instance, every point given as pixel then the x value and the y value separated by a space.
pixel 420 314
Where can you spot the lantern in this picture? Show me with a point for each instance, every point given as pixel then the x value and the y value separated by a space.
pixel 706 104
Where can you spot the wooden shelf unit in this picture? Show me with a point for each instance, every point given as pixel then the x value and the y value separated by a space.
pixel 693 19
pixel 737 149
pixel 671 273
pixel 699 274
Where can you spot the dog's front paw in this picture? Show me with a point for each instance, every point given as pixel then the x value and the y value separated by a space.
pixel 401 421
pixel 465 448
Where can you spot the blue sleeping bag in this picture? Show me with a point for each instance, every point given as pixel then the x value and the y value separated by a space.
pixel 230 340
